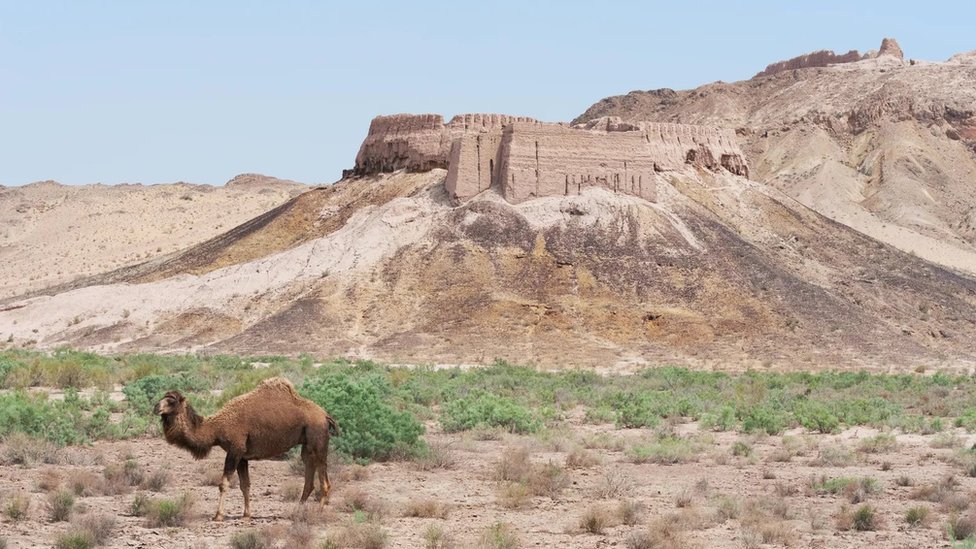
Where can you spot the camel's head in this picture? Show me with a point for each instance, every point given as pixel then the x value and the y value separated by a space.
pixel 173 402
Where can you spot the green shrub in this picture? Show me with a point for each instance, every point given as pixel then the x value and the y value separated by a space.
pixel 170 512
pixel 487 410
pixel 145 392
pixel 639 410
pixel 75 539
pixel 371 427
pixel 764 419
pixel 721 419
pixel 60 504
pixel 741 449
pixel 816 417
pixel 667 451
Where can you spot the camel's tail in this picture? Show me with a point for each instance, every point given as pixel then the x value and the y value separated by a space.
pixel 333 426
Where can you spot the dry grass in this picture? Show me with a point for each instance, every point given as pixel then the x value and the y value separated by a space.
pixel 85 483
pixel 356 499
pixel 120 479
pixel 917 515
pixel 514 495
pixel 425 508
pixel 683 499
pixel 291 491
pixel 514 465
pixel 879 443
pixel 548 480
pixel 21 449
pixel 630 512
pixel 595 519
pixel 364 535
pixel 48 480
pixel 353 472
pixel 438 455
pixel 436 538
pixel 863 518
pixel 100 526
pixel 614 484
pixel 960 527
pixel 157 481
pixel 17 508
pixel 60 505
pixel 499 536
pixel 581 458
pixel 835 455
pixel 937 492
pixel 170 512
pixel 604 441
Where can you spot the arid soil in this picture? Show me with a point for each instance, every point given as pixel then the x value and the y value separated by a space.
pixel 735 491
pixel 51 233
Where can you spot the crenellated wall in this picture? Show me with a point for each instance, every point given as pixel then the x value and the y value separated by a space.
pixel 525 158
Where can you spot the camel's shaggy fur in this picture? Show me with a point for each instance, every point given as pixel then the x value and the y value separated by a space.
pixel 261 424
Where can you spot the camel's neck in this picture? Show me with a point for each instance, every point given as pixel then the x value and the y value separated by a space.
pixel 191 431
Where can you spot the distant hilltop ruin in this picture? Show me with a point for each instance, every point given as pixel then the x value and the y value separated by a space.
pixel 822 58
pixel 526 159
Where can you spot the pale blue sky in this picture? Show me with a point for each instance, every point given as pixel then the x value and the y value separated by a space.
pixel 198 91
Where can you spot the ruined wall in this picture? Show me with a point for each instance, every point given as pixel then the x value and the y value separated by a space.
pixel 525 158
pixel 420 142
pixel 822 58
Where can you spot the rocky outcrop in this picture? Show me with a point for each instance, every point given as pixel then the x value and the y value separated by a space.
pixel 822 58
pixel 889 46
pixel 525 158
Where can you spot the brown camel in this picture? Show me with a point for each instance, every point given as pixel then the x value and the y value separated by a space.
pixel 261 424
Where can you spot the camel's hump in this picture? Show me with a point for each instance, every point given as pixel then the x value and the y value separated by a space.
pixel 279 383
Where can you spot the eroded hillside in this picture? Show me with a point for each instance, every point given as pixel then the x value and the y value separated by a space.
pixel 882 144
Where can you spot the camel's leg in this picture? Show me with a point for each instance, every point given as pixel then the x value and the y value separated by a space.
pixel 230 465
pixel 325 486
pixel 245 478
pixel 309 460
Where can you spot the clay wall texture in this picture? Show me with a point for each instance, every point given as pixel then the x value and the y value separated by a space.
pixel 526 159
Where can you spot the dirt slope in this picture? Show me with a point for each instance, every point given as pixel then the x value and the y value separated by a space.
pixel 720 271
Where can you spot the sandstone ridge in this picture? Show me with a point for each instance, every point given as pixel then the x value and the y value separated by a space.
pixel 524 158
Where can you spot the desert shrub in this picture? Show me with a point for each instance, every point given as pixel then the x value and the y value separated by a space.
pixel 170 512
pixel 425 508
pixel 22 449
pixel 17 508
pixel 816 416
pixel 946 440
pixel 863 518
pixel 630 512
pixel 248 539
pixel 83 483
pixel 488 410
pixel 141 505
pixel 120 478
pixel 75 539
pixel 514 495
pixel 436 455
pixel 594 520
pixel 499 536
pixel 638 410
pixel 720 419
pixel 548 479
pixel 99 526
pixel 60 504
pixel 436 538
pixel 961 527
pixel 157 480
pixel 61 422
pixel 145 392
pixel 364 535
pixel 741 449
pixel 765 419
pixel 581 458
pixel 371 428
pixel 358 501
pixel 614 484
pixel 514 464
pixel 667 450
pixel 881 442
pixel 917 515
pixel 834 455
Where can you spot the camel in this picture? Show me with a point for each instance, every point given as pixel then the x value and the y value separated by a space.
pixel 264 423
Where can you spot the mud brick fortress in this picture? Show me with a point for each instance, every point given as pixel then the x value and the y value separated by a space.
pixel 524 158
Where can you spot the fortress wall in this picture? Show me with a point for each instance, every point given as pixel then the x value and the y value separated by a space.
pixel 525 158
pixel 404 141
pixel 473 163
pixel 551 160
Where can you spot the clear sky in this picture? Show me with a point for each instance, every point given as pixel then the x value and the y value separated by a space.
pixel 199 91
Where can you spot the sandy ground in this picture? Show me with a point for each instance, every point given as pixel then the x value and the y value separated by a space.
pixel 767 492
pixel 52 233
